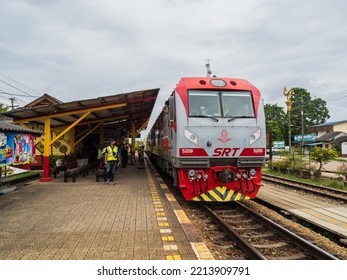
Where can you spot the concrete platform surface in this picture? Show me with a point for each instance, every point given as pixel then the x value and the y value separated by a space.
pixel 88 220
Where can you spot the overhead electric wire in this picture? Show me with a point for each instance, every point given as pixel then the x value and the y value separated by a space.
pixel 13 80
pixel 336 96
pixel 15 89
pixel 6 83
pixel 15 94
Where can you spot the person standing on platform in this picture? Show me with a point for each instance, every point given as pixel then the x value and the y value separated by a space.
pixel 142 157
pixel 124 155
pixel 132 156
pixel 100 157
pixel 111 161
pixel 100 151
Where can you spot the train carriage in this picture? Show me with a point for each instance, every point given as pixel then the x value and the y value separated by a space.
pixel 210 137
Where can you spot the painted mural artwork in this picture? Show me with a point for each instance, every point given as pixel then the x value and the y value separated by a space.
pixel 17 148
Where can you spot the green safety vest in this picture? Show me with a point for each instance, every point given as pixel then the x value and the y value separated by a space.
pixel 100 153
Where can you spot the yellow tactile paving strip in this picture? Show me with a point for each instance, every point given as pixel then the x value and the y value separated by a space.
pixel 199 247
pixel 167 238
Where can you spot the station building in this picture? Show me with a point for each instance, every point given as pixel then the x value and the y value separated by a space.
pixel 77 128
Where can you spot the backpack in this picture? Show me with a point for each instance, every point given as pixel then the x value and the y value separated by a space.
pixel 102 160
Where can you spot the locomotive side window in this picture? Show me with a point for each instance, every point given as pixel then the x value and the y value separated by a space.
pixel 204 104
pixel 237 104
pixel 172 108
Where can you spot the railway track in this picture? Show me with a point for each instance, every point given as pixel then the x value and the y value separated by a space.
pixel 260 238
pixel 224 247
pixel 332 193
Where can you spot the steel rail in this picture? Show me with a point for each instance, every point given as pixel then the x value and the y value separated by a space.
pixel 308 248
pixel 314 189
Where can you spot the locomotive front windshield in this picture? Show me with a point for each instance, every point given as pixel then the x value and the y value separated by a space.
pixel 229 104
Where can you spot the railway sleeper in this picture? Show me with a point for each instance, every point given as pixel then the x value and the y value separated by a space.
pixel 250 227
pixel 262 235
pixel 274 245
pixel 343 241
pixel 298 256
pixel 226 247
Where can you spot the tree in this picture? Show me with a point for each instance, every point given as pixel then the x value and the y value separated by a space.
pixel 323 156
pixel 275 120
pixel 3 108
pixel 314 111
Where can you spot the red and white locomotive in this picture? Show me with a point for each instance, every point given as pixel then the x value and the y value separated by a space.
pixel 210 137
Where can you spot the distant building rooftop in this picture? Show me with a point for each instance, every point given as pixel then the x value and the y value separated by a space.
pixel 9 127
pixel 331 136
pixel 329 123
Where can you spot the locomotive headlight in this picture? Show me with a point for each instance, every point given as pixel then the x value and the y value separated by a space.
pixel 218 83
pixel 192 137
pixel 254 137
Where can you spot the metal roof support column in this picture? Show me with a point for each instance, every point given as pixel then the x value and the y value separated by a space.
pixel 46 151
pixel 133 135
pixel 102 137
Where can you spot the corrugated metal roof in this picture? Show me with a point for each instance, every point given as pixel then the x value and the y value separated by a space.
pixel 330 136
pixel 340 140
pixel 9 127
pixel 329 123
pixel 134 108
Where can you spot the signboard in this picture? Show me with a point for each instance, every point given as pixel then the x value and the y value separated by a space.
pixel 16 148
pixel 278 144
pixel 307 137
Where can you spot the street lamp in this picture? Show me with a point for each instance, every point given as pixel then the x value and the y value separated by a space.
pixel 289 94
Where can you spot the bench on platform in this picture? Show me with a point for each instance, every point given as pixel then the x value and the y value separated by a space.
pixel 83 170
pixel 86 168
pixel 57 169
pixel 71 173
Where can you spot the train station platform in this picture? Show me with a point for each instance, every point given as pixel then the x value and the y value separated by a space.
pixel 308 208
pixel 135 219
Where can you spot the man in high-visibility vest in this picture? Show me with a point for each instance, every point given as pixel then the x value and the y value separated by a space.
pixel 100 151
pixel 111 161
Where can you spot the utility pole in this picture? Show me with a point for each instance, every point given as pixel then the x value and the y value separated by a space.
pixel 302 126
pixel 12 102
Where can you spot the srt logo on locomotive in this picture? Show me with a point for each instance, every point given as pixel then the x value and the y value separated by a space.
pixel 224 137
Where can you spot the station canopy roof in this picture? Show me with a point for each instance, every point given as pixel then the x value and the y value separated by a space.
pixel 118 110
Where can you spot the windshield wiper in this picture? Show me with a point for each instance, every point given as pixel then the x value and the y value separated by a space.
pixel 204 116
pixel 240 117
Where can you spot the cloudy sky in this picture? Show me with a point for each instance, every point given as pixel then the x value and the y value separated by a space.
pixel 80 49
